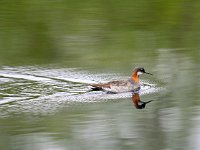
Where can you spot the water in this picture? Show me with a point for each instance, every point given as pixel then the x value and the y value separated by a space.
pixel 51 51
pixel 43 91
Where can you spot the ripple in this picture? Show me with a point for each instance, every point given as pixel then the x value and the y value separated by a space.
pixel 46 90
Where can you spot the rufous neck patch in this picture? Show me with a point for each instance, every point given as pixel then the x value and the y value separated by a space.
pixel 135 77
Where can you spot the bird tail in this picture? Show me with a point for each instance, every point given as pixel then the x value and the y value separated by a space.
pixel 95 87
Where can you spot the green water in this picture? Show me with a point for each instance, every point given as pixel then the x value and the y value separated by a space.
pixel 50 49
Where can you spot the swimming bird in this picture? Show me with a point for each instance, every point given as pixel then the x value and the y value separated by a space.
pixel 118 86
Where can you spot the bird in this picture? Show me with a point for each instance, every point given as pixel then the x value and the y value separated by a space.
pixel 119 86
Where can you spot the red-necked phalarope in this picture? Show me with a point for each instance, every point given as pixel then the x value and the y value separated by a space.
pixel 132 84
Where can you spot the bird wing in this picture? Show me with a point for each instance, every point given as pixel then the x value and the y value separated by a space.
pixel 111 83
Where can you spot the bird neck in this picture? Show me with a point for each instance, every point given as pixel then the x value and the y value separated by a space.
pixel 135 77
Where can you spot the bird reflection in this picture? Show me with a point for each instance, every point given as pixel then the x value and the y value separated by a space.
pixel 137 102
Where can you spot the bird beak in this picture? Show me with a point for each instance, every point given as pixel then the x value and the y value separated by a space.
pixel 148 73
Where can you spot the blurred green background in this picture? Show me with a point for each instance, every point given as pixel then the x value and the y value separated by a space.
pixel 95 32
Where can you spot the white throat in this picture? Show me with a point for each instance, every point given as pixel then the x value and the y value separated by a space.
pixel 139 73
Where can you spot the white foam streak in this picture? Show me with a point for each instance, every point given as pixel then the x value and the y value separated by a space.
pixel 55 89
pixel 25 77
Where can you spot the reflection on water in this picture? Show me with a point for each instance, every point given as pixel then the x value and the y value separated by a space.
pixel 137 102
